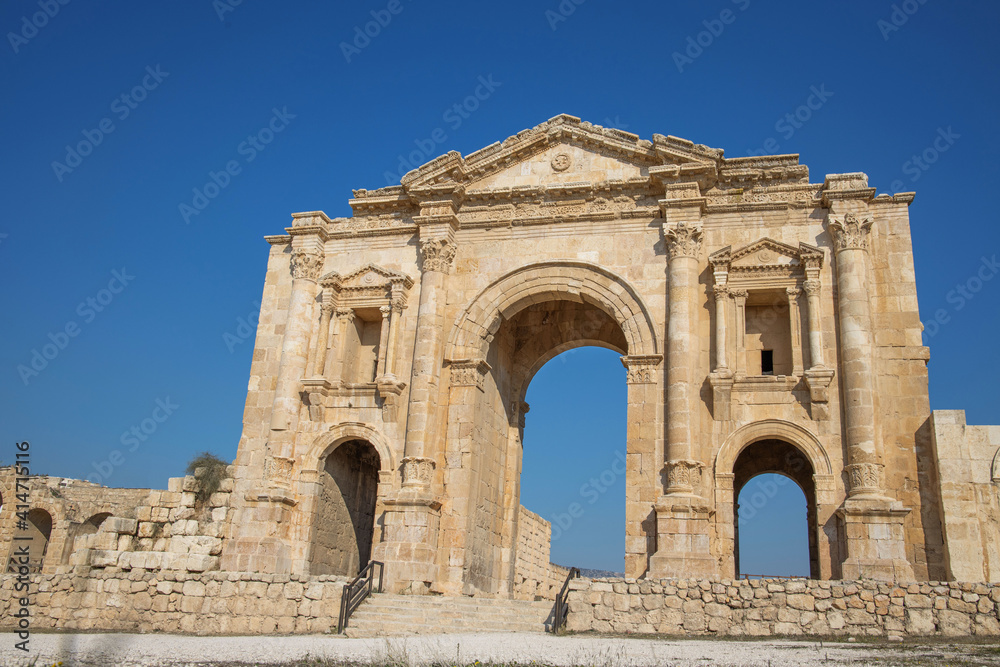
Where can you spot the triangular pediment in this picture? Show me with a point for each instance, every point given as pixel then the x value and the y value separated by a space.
pixel 767 253
pixel 560 151
pixel 373 275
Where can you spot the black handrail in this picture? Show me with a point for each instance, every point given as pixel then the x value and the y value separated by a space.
pixel 357 591
pixel 561 608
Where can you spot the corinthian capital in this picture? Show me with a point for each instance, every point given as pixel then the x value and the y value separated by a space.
pixel 683 240
pixel 438 254
pixel 850 232
pixel 306 263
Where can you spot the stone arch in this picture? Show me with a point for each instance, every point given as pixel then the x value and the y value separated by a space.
pixel 39 530
pixel 558 280
pixel 324 444
pixel 773 429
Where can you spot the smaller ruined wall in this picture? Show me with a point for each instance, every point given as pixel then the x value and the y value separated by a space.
pixel 534 576
pixel 209 603
pixel 968 477
pixel 783 607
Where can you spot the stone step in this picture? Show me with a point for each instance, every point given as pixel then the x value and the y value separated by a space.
pixel 386 615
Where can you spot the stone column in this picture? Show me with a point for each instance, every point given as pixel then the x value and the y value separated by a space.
pixel 383 342
pixel 873 519
pixel 812 288
pixel 322 340
pixel 721 294
pixel 394 322
pixel 683 540
pixel 412 518
pixel 305 265
pixel 345 318
pixel 795 319
pixel 740 298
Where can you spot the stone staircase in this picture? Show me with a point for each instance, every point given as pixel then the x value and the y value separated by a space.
pixel 387 615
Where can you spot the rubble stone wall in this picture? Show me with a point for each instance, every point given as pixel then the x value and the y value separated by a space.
pixel 783 607
pixel 206 603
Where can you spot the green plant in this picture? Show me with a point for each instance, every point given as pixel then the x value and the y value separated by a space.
pixel 211 470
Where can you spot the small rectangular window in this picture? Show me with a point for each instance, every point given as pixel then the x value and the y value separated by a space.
pixel 767 362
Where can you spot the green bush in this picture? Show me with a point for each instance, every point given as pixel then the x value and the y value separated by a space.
pixel 213 471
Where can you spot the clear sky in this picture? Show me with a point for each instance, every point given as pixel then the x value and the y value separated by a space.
pixel 116 114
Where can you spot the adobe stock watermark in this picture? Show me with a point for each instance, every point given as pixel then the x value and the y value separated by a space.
pixel 454 116
pixel 132 439
pixel 962 294
pixel 223 7
pixel 122 107
pixel 562 12
pixel 87 310
pixel 248 149
pixel 363 35
pixel 898 17
pixel 698 43
pixel 920 163
pixel 795 120
pixel 245 329
pixel 591 491
pixel 31 25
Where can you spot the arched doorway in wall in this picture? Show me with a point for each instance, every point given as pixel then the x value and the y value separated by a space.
pixel 775 522
pixel 345 509
pixel 39 530
pixel 82 530
pixel 573 457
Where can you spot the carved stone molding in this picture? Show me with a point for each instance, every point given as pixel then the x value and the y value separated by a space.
pixel 641 369
pixel 438 254
pixel 468 373
pixel 306 263
pixel 278 469
pixel 850 232
pixel 865 478
pixel 683 475
pixel 683 240
pixel 417 471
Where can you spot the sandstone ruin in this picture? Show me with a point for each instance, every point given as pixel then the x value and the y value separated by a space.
pixel 766 323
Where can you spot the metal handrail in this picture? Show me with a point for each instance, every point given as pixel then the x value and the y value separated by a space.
pixel 747 575
pixel 357 591
pixel 560 611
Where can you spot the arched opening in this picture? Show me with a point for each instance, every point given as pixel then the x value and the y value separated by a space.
pixel 573 457
pixel 79 532
pixel 345 511
pixel 38 529
pixel 775 522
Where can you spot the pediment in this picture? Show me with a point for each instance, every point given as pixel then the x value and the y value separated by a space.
pixel 766 253
pixel 562 150
pixel 373 275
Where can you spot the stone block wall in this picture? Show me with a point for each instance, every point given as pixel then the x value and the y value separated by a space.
pixel 534 576
pixel 205 603
pixel 969 473
pixel 783 607
pixel 170 530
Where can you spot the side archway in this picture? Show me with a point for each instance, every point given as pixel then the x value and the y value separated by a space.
pixel 772 429
pixel 326 443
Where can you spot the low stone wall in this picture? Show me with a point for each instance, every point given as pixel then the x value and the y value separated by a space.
pixel 205 603
pixel 783 607
pixel 534 576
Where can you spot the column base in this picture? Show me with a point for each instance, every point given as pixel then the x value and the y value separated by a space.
pixel 876 544
pixel 722 391
pixel 683 539
pixel 409 547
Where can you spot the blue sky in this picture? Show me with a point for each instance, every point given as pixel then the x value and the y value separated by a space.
pixel 210 75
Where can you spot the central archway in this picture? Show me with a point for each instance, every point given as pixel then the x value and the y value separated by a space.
pixel 500 341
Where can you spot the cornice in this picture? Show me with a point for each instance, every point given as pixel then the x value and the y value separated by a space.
pixel 279 239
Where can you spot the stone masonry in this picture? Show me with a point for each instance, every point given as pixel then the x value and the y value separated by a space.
pixel 766 323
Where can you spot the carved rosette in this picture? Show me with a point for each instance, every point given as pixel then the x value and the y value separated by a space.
pixel 641 369
pixel 306 264
pixel 683 475
pixel 417 471
pixel 438 254
pixel 850 232
pixel 683 240
pixel 468 373
pixel 865 478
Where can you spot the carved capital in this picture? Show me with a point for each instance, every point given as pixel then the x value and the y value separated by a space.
pixel 641 369
pixel 345 314
pixel 721 292
pixel 385 310
pixel 306 263
pixel 793 293
pixel 683 240
pixel 811 287
pixel 468 373
pixel 417 471
pixel 438 254
pixel 683 475
pixel 850 232
pixel 865 478
pixel 740 294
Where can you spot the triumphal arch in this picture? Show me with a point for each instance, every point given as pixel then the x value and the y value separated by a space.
pixel 766 323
